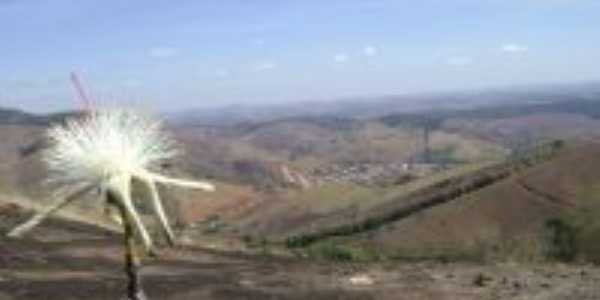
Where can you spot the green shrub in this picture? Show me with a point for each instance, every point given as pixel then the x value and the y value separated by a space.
pixel 560 240
pixel 332 251
pixel 576 235
pixel 442 254
pixel 588 243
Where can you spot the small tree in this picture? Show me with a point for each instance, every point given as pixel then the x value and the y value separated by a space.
pixel 561 243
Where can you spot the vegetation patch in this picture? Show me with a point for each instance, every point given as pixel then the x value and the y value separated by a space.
pixel 339 252
pixel 376 221
pixel 575 236
pixel 448 191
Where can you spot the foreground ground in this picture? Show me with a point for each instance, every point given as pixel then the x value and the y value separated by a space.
pixel 66 260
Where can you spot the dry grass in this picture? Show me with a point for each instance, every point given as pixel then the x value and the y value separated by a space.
pixel 72 213
pixel 506 220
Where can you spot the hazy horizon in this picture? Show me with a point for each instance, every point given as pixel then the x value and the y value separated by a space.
pixel 171 57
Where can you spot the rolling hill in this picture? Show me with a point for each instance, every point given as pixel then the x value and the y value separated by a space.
pixel 286 177
pixel 507 220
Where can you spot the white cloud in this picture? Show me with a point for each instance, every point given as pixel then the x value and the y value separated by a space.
pixel 459 61
pixel 264 66
pixel 341 58
pixel 514 48
pixel 370 51
pixel 163 52
pixel 222 73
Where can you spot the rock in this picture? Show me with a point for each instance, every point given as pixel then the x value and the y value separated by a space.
pixel 246 282
pixel 517 285
pixel 481 279
pixel 361 280
pixel 545 285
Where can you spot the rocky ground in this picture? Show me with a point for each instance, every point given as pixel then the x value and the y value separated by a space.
pixel 65 260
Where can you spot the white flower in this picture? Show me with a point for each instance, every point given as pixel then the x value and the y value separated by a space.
pixel 104 144
pixel 107 149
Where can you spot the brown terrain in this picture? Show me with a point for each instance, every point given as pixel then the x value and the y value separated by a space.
pixel 511 211
pixel 68 260
pixel 469 224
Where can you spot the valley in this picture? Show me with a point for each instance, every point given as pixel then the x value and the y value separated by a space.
pixel 465 201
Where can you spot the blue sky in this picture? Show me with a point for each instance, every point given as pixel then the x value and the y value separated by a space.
pixel 171 55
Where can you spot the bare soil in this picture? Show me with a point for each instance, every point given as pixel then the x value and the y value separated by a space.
pixel 64 260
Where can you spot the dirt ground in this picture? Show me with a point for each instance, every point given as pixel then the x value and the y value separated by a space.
pixel 64 260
